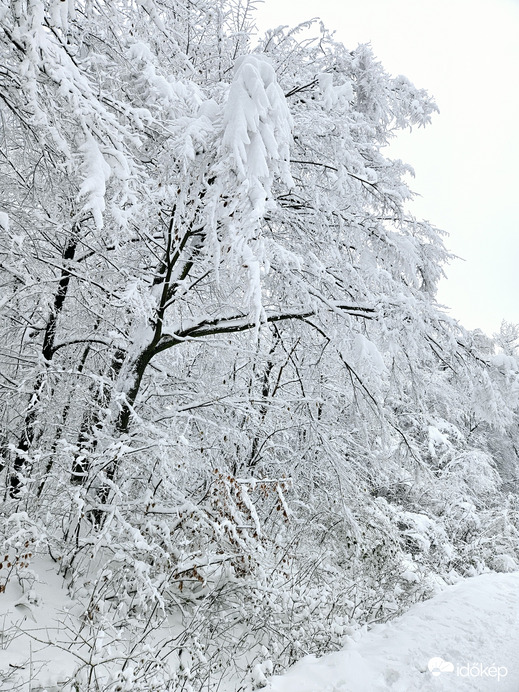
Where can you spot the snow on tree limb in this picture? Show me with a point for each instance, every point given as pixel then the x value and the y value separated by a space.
pixel 96 173
pixel 257 129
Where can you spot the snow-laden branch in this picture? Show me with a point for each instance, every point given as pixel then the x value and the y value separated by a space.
pixel 73 342
pixel 242 323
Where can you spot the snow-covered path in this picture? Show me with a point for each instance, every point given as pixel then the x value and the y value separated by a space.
pixel 471 628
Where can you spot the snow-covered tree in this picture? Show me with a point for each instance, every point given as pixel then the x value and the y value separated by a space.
pixel 227 392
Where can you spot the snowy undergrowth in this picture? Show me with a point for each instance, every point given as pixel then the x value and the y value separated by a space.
pixel 142 607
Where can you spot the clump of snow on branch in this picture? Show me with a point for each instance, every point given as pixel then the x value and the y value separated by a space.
pixel 368 356
pixel 161 90
pixel 257 129
pixel 437 440
pixel 4 221
pixel 93 187
pixel 333 95
pixel 60 12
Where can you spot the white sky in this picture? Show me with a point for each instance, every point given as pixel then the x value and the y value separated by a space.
pixel 466 54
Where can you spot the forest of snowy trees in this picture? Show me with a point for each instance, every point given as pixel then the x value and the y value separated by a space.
pixel 233 419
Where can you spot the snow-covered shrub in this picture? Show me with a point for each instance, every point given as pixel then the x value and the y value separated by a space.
pixel 21 537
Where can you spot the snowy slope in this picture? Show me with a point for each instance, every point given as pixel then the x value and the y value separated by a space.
pixel 471 628
pixel 35 632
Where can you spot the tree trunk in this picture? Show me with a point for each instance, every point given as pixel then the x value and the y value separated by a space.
pixel 21 465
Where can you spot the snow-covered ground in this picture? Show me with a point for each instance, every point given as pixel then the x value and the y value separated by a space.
pixel 465 638
pixel 34 632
